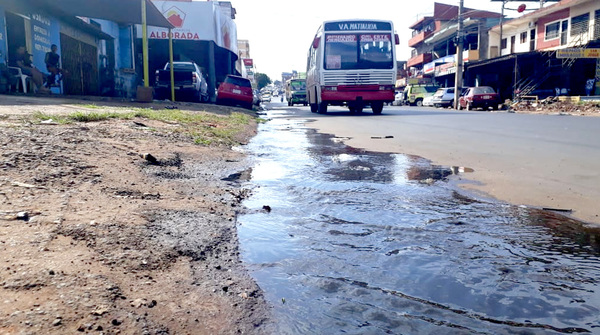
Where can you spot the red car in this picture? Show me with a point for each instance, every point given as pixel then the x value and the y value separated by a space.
pixel 235 90
pixel 482 96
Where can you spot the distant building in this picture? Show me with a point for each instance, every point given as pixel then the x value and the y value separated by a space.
pixel 434 42
pixel 524 59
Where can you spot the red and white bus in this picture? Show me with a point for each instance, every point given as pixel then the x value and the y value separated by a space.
pixel 352 63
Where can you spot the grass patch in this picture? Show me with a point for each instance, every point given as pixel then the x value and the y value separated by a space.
pixel 60 119
pixel 203 128
pixel 91 106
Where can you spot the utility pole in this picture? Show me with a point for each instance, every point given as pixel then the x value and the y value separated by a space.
pixel 501 24
pixel 458 82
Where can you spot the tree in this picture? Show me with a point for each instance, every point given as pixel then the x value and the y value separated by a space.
pixel 262 80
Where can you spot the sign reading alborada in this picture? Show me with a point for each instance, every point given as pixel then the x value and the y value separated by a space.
pixel 357 26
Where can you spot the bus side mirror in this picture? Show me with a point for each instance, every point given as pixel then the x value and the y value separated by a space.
pixel 316 42
pixel 397 39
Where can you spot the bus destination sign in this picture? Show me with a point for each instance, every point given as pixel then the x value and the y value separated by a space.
pixel 357 26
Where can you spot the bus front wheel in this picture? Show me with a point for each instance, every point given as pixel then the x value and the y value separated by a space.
pixel 377 107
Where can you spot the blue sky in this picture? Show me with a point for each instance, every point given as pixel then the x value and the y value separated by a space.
pixel 280 32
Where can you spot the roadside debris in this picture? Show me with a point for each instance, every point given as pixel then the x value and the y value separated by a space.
pixel 554 105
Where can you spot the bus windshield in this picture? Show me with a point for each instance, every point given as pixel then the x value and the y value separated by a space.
pixel 298 85
pixel 358 51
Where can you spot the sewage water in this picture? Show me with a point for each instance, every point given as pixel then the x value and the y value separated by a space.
pixel 357 242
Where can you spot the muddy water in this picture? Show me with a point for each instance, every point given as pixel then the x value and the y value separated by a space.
pixel 368 243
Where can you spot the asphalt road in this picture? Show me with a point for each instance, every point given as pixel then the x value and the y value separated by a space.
pixel 525 159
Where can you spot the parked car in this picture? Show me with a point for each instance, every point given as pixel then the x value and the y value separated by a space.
pixel 256 97
pixel 398 97
pixel 479 97
pixel 414 94
pixel 428 101
pixel 189 81
pixel 444 97
pixel 235 90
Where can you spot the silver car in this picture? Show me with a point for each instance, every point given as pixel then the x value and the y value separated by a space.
pixel 443 97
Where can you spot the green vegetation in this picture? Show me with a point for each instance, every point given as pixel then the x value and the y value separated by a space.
pixel 203 128
pixel 262 80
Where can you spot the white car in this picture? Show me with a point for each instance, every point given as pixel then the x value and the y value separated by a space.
pixel 266 98
pixel 428 101
pixel 398 98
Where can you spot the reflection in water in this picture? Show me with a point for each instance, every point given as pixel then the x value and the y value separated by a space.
pixel 355 242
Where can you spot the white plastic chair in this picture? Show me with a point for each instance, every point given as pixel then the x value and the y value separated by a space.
pixel 25 80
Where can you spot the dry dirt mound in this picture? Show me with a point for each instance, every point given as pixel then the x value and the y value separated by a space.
pixel 95 237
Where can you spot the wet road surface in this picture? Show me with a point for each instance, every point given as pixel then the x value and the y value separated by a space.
pixel 369 243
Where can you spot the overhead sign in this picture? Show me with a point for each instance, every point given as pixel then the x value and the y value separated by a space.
pixel 248 62
pixel 357 25
pixel 578 53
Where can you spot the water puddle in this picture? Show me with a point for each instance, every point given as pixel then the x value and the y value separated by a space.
pixel 372 243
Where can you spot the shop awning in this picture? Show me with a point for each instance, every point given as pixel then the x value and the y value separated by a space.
pixel 119 11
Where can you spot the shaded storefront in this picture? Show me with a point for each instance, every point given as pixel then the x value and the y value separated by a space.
pixel 204 33
pixel 534 73
pixel 90 56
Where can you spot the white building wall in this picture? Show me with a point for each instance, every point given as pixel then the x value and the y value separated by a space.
pixel 508 33
pixel 589 8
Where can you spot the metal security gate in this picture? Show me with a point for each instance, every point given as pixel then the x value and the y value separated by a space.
pixel 80 61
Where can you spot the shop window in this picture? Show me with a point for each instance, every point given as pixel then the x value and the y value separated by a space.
pixel 580 24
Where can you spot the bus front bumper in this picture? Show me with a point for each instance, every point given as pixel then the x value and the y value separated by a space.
pixel 366 93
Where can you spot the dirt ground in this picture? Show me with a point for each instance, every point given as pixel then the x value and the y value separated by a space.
pixel 96 237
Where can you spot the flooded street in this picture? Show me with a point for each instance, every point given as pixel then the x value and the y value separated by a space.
pixel 347 241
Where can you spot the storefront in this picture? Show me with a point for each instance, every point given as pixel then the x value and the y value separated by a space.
pixel 37 31
pixel 204 33
pixel 88 54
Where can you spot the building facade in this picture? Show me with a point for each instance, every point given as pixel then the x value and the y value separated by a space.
pixel 205 33
pixel 80 43
pixel 526 58
pixel 433 56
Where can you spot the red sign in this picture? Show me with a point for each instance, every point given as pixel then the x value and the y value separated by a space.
pixel 175 16
pixel 340 38
pixel 176 35
pixel 248 62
